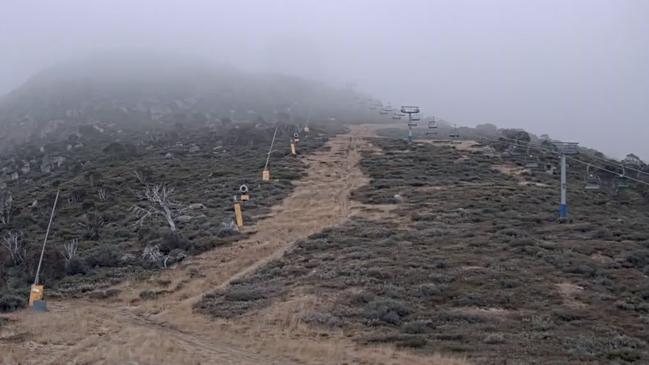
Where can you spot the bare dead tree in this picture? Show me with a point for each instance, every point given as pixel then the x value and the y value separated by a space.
pixel 102 193
pixel 76 196
pixel 15 246
pixel 160 202
pixel 6 206
pixel 70 249
pixel 92 223
pixel 142 175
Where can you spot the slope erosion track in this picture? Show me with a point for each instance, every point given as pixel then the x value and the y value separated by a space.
pixel 153 321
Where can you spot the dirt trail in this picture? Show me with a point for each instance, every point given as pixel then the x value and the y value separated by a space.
pixel 165 330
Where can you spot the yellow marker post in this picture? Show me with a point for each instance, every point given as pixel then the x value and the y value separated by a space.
pixel 36 293
pixel 293 151
pixel 237 214
pixel 265 175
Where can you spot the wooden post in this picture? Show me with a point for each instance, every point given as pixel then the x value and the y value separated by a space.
pixel 36 293
pixel 237 214
pixel 293 151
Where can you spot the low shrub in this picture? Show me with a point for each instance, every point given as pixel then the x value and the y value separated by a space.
pixel 102 256
pixel 11 302
pixel 386 311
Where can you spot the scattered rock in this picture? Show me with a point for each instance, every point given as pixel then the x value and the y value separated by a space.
pixel 196 206
pixel 127 258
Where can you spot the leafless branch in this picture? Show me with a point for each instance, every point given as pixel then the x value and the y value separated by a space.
pixel 15 246
pixel 6 205
pixel 160 202
pixel 70 249
pixel 102 193
pixel 142 175
pixel 92 224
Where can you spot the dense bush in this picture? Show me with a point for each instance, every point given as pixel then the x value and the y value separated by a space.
pixel 11 302
pixel 102 256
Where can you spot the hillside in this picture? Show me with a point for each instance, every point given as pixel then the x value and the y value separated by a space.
pixel 362 249
pixel 106 134
pixel 469 260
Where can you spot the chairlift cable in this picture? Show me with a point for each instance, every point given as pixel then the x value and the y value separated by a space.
pixel 613 162
pixel 609 171
pixel 557 154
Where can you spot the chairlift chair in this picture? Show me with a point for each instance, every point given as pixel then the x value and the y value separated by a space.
pixel 513 150
pixel 432 126
pixel 621 181
pixel 530 160
pixel 454 133
pixel 593 181
pixel 532 165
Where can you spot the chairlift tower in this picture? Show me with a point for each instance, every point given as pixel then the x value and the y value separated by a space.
pixel 410 110
pixel 454 133
pixel 565 148
pixel 432 127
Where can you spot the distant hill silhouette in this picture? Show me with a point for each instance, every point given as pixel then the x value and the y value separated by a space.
pixel 126 90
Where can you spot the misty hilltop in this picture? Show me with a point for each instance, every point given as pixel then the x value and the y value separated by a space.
pixel 127 90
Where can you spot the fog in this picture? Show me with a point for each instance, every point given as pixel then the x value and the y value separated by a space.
pixel 578 70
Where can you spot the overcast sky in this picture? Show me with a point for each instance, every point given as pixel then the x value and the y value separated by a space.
pixel 578 70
